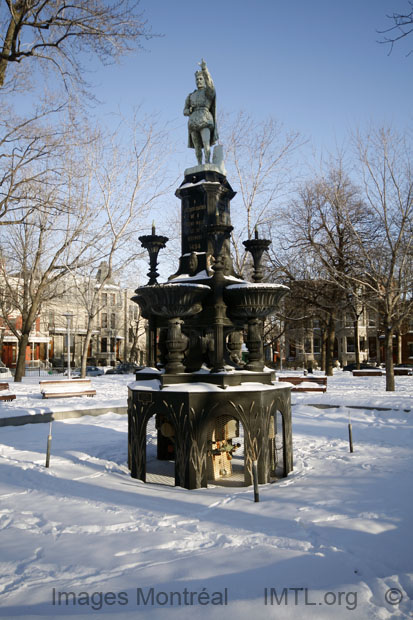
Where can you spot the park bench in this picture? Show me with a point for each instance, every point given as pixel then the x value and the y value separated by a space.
pixel 398 372
pixel 302 384
pixel 365 372
pixel 5 386
pixel 64 388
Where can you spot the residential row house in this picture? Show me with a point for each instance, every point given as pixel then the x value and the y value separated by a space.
pixel 303 343
pixel 118 330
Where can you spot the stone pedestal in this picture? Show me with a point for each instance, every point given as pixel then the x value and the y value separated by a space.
pixel 205 198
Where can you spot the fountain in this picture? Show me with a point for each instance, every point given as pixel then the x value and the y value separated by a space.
pixel 197 385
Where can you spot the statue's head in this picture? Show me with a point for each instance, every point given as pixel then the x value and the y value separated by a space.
pixel 200 79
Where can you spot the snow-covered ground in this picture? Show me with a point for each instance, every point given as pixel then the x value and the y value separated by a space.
pixel 333 540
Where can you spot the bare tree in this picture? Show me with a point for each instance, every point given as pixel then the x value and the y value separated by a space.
pixel 402 26
pixel 386 166
pixel 258 156
pixel 127 179
pixel 318 236
pixel 363 238
pixel 40 250
pixel 136 330
pixel 59 33
pixel 30 148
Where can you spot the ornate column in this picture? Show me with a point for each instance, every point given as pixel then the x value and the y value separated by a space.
pixel 217 234
pixel 153 243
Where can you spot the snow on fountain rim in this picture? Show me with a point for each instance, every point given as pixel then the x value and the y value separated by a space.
pixel 258 285
pixel 177 284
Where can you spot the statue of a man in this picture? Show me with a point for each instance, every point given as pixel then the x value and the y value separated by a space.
pixel 201 109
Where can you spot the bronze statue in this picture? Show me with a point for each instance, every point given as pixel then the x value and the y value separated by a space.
pixel 201 108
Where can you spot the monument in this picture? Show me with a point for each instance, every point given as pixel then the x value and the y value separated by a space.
pixel 196 384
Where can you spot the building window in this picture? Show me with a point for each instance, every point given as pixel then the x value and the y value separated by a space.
pixel 292 349
pixel 372 321
pixel 316 323
pixel 317 345
pixel 104 299
pixel 410 349
pixel 372 347
pixel 349 320
pixel 104 319
pixel 113 299
pixel 113 321
pixel 350 344
pixel 104 345
pixel 307 345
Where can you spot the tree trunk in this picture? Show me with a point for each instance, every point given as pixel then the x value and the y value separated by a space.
pixel 357 343
pixel 388 344
pixel 85 349
pixel 7 46
pixel 331 335
pixel 21 358
pixel 323 350
pixel 2 331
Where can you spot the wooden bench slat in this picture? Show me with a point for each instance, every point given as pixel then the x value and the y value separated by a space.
pixel 8 397
pixel 398 372
pixel 367 373
pixel 320 388
pixel 297 380
pixel 68 394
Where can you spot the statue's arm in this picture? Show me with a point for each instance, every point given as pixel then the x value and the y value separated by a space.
pixel 188 107
pixel 208 79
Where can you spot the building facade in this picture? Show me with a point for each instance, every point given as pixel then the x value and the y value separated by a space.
pixel 303 343
pixel 116 326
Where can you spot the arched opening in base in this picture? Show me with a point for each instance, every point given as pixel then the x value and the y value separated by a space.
pixel 276 446
pixel 225 452
pixel 160 452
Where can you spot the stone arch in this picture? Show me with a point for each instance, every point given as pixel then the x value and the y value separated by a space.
pixel 223 463
pixel 282 445
pixel 139 416
pixel 229 411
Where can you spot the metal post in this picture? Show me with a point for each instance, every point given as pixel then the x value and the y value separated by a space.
pixel 255 481
pixel 350 437
pixel 350 433
pixel 69 373
pixel 49 445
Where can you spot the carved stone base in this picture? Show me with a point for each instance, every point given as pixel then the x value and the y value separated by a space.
pixel 191 411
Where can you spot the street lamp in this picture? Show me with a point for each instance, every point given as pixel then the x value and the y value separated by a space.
pixel 69 316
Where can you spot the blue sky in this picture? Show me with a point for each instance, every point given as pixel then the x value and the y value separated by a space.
pixel 314 65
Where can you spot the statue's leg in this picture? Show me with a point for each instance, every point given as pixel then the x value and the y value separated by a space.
pixel 196 139
pixel 206 138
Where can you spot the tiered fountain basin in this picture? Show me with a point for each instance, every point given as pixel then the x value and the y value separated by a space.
pixel 252 301
pixel 171 300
